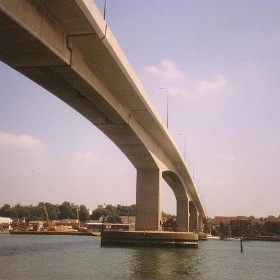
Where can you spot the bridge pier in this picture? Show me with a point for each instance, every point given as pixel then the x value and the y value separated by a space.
pixel 200 223
pixel 193 217
pixel 183 215
pixel 148 200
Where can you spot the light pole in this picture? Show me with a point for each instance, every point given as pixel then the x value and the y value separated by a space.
pixel 105 10
pixel 167 104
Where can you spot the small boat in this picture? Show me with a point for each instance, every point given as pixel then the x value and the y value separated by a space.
pixel 232 239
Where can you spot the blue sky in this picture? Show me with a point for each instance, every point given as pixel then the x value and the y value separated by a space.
pixel 220 62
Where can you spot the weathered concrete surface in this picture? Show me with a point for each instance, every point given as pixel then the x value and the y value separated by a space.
pixel 193 217
pixel 149 239
pixel 202 236
pixel 148 199
pixel 66 47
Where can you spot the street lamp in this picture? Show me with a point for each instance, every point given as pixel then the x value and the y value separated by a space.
pixel 167 104
pixel 105 10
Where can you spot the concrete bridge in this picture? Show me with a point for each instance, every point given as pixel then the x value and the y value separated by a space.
pixel 66 47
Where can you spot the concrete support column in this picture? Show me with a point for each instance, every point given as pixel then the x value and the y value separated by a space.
pixel 148 200
pixel 200 224
pixel 183 215
pixel 193 217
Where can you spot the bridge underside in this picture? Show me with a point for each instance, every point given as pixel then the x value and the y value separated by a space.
pixel 68 49
pixel 74 82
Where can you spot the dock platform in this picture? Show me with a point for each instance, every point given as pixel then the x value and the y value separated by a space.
pixel 149 239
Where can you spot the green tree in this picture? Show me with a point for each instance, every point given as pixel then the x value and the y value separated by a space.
pixel 224 230
pixel 209 225
pixel 4 211
pixel 168 216
pixel 114 219
pixel 52 211
pixel 112 209
pixel 65 211
pixel 84 214
pixel 22 211
pixel 12 213
pixel 126 210
pixel 97 213
pixel 270 217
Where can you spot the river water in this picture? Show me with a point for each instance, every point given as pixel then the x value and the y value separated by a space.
pixel 42 257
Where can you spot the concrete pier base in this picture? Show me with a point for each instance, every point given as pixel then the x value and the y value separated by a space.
pixel 149 239
pixel 202 236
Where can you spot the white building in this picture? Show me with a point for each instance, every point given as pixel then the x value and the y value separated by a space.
pixel 5 223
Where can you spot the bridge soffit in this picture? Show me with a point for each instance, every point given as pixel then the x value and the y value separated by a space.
pixel 118 113
pixel 181 191
pixel 135 112
pixel 79 85
pixel 176 184
pixel 36 21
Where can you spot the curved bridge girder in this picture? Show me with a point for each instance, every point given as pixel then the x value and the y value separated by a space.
pixel 66 47
pixel 79 73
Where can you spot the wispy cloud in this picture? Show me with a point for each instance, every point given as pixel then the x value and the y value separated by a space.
pixel 22 142
pixel 223 157
pixel 214 85
pixel 166 69
pixel 181 84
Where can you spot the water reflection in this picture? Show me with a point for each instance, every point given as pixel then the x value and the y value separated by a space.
pixel 160 263
pixel 73 257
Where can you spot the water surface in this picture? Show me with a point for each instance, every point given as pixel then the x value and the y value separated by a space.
pixel 81 257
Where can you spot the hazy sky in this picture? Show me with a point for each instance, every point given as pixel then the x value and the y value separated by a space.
pixel 220 61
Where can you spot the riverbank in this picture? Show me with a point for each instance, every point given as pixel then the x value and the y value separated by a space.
pixel 262 238
pixel 53 233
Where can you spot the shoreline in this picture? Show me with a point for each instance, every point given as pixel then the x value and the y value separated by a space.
pixel 246 238
pixel 262 238
pixel 52 233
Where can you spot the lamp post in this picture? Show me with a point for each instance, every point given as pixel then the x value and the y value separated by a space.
pixel 167 104
pixel 105 10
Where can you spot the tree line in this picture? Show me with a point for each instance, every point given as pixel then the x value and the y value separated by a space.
pixel 251 226
pixel 65 211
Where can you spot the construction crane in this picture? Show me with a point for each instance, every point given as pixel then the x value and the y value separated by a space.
pixel 78 217
pixel 47 215
pixel 49 224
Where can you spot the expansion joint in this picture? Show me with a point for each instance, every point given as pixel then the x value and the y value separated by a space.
pixel 131 112
pixel 68 42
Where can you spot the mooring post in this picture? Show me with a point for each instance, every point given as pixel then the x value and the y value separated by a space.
pixel 241 245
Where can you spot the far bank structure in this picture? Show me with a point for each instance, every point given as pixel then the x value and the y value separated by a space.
pixel 224 226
